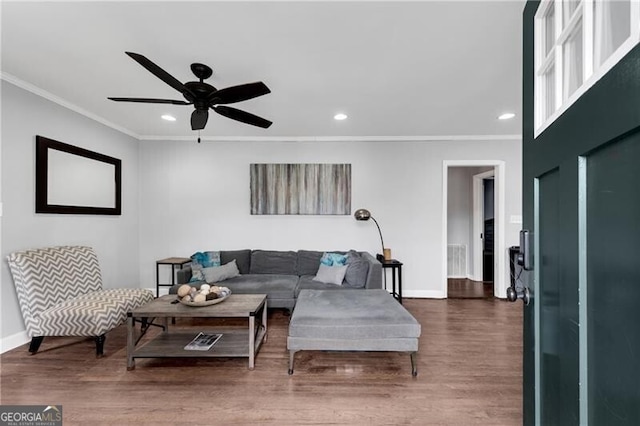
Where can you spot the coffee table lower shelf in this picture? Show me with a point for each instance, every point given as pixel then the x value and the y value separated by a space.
pixel 233 343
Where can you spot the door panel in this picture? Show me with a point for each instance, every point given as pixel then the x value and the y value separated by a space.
pixel 613 268
pixel 581 202
pixel 558 356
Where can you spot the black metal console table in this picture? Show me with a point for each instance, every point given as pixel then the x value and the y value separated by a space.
pixel 173 262
pixel 396 275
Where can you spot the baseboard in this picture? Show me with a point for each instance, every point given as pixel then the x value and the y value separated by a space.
pixel 424 294
pixel 13 341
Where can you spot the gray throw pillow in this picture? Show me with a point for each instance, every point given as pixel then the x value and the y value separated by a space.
pixel 357 270
pixel 216 274
pixel 331 274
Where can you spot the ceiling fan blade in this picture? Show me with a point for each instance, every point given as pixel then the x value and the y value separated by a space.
pixel 243 116
pixel 199 119
pixel 151 101
pixel 158 72
pixel 239 93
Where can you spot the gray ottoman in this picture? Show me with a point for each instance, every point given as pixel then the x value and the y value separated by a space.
pixel 364 320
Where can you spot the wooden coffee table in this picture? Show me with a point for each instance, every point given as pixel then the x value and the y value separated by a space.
pixel 235 341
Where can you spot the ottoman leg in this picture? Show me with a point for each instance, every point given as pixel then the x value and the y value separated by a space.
pixel 291 356
pixel 414 365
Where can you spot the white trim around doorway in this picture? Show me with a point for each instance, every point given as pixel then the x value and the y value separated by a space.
pixel 499 283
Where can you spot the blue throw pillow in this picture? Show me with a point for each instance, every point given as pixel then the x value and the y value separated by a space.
pixel 200 260
pixel 333 259
pixel 206 259
pixel 196 273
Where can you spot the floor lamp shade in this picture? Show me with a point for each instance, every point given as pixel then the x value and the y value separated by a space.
pixel 364 214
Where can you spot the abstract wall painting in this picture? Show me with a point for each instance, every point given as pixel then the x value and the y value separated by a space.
pixel 300 189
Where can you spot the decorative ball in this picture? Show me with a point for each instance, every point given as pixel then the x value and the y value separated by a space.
pixel 187 298
pixel 183 290
pixel 193 291
pixel 205 287
pixel 212 295
pixel 199 297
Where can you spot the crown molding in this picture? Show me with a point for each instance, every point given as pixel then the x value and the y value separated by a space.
pixel 426 138
pixel 58 100
pixel 333 138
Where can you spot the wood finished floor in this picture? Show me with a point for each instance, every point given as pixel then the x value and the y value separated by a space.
pixel 469 373
pixel 461 288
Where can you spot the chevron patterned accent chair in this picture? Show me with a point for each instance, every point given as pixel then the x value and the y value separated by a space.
pixel 60 294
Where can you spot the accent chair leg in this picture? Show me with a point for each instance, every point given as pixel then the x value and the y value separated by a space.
pixel 35 344
pixel 414 365
pixel 291 357
pixel 100 345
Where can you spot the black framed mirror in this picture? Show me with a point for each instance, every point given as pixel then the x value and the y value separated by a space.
pixel 74 180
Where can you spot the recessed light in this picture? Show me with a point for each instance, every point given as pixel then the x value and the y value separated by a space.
pixel 340 116
pixel 506 116
pixel 168 117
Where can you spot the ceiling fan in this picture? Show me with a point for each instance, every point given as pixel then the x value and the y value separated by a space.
pixel 204 96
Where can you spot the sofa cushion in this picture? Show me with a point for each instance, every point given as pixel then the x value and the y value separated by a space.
pixel 308 262
pixel 362 314
pixel 357 270
pixel 331 274
pixel 274 262
pixel 216 274
pixel 273 285
pixel 307 282
pixel 242 258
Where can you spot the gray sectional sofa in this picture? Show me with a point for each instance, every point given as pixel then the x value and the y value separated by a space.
pixel 281 275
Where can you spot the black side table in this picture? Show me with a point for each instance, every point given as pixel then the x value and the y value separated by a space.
pixel 174 262
pixel 396 270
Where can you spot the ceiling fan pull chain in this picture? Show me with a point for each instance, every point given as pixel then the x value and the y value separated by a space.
pixel 198 136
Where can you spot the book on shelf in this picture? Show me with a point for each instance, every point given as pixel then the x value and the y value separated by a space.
pixel 203 341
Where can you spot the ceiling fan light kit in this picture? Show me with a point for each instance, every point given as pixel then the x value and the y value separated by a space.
pixel 203 95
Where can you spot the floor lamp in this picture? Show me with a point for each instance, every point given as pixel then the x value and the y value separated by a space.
pixel 364 214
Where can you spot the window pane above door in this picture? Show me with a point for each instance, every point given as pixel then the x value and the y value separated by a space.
pixel 573 62
pixel 549 24
pixel 612 27
pixel 568 9
pixel 550 91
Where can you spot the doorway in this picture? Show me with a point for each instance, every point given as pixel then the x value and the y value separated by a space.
pixel 473 240
pixel 483 234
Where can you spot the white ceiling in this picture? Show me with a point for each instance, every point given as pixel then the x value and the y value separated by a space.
pixel 398 69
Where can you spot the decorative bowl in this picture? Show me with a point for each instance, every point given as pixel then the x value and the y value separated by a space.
pixel 206 302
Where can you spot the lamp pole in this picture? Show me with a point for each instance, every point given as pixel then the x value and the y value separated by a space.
pixel 379 232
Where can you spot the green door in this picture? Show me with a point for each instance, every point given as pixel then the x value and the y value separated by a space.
pixel 581 203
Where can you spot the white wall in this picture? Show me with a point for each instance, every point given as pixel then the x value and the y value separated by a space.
pixel 460 209
pixel 180 197
pixel 115 238
pixel 196 197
